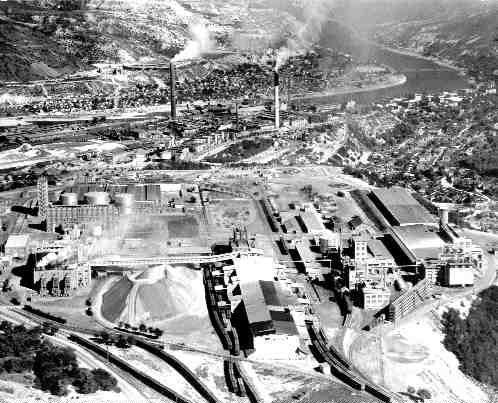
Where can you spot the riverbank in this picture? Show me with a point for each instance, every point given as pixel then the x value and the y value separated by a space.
pixel 392 81
pixel 413 53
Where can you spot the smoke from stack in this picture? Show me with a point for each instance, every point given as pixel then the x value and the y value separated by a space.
pixel 200 43
pixel 276 85
pixel 316 15
pixel 55 258
pixel 172 83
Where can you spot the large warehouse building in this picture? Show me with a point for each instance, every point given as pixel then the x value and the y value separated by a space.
pixel 400 208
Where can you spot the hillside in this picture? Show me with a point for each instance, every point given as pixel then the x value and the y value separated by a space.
pixel 38 40
pixel 469 41
pixel 464 32
pixel 41 39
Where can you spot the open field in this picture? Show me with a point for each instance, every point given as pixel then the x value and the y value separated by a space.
pixel 162 227
pixel 72 308
pixel 226 214
pixel 242 150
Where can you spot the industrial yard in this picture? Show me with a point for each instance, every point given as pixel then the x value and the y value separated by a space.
pixel 183 212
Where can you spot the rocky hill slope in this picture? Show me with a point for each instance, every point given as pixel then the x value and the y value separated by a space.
pixel 464 32
pixel 469 41
pixel 40 40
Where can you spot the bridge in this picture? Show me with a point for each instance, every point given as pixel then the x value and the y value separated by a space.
pixel 113 261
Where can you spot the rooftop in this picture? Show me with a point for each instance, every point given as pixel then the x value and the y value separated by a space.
pixel 378 249
pixel 254 302
pixel 283 322
pixel 266 301
pixel 402 207
pixel 422 240
pixel 17 241
pixel 254 268
pixel 312 222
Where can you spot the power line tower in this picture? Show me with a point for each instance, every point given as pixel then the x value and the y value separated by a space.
pixel 42 193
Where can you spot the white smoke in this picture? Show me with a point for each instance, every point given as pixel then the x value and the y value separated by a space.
pixel 54 258
pixel 201 42
pixel 316 14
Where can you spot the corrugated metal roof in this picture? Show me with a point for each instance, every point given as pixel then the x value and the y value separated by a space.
pixel 423 241
pixel 283 322
pixel 403 206
pixel 378 249
pixel 254 302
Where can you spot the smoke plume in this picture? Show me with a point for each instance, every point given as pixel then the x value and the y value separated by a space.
pixel 200 43
pixel 55 258
pixel 316 14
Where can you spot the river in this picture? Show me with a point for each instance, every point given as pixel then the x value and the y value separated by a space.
pixel 423 76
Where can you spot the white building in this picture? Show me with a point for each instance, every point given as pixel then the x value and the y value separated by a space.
pixel 17 246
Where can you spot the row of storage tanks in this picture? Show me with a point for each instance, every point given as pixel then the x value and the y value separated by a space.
pixel 123 201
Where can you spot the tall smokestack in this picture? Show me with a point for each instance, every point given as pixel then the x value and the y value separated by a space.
pixel 172 86
pixel 276 83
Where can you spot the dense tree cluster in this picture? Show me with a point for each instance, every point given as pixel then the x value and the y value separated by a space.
pixel 23 350
pixel 473 339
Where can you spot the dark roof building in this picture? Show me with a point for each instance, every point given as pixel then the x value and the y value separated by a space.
pixel 400 208
pixel 266 305
pixel 418 242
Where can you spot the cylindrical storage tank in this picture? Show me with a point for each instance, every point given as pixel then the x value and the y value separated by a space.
pixel 124 202
pixel 97 198
pixel 69 199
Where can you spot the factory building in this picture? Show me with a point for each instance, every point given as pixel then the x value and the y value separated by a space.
pixel 329 242
pixel 311 222
pixel 61 280
pixel 103 204
pixel 409 301
pixel 458 275
pixel 68 216
pixel 17 246
pixel 400 208
pixel 375 298
pixel 436 253
pixel 368 262
pixel 272 326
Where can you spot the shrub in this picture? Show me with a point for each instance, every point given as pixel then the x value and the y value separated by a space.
pixel 424 394
pixel 85 382
pixel 473 339
pixel 104 379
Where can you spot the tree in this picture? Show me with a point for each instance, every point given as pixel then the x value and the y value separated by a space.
pixel 122 342
pixel 54 366
pixel 104 379
pixel 85 382
pixel 424 394
pixel 473 339
pixel 88 302
pixel 104 336
pixel 49 328
pixel 17 364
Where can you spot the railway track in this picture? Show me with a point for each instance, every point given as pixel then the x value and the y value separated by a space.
pixel 155 348
pixel 123 365
pixel 341 368
pixel 148 394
